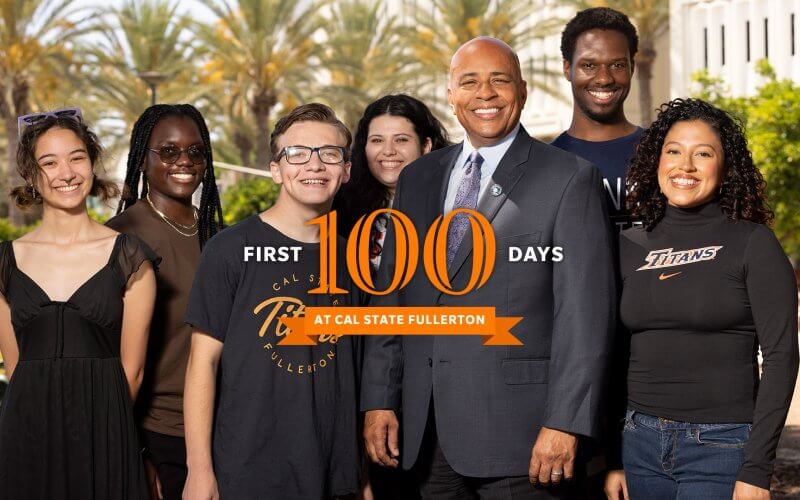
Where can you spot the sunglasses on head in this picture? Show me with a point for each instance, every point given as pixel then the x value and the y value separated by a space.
pixel 25 121
pixel 170 154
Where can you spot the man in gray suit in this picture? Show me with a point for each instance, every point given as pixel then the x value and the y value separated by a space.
pixel 492 422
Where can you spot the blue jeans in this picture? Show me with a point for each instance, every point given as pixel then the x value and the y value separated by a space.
pixel 669 460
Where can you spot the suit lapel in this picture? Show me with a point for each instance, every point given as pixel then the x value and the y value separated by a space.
pixel 446 163
pixel 507 174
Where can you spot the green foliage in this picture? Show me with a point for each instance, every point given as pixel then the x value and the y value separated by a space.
pixel 366 55
pixel 9 231
pixel 713 89
pixel 651 17
pixel 260 54
pixel 772 120
pixel 34 46
pixel 128 39
pixel 444 25
pixel 100 216
pixel 248 197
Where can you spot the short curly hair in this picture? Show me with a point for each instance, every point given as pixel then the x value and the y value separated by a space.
pixel 601 18
pixel 741 194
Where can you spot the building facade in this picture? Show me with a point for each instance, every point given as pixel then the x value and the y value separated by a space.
pixel 729 37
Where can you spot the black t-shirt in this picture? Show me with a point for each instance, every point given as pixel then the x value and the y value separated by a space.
pixel 285 422
pixel 700 294
pixel 612 158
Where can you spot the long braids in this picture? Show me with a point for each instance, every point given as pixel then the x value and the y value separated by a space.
pixel 209 220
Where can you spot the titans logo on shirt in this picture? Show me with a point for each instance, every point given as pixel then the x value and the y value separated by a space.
pixel 666 257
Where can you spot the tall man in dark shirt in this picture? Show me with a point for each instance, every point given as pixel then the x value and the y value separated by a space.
pixel 598 46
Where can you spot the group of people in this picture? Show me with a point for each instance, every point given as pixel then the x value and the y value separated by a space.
pixel 144 353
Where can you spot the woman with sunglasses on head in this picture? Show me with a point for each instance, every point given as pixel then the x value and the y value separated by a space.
pixel 75 309
pixel 170 158
pixel 394 131
pixel 705 284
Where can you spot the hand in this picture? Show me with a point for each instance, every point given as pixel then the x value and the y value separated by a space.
pixel 153 481
pixel 554 451
pixel 746 491
pixel 366 492
pixel 381 428
pixel 366 485
pixel 616 487
pixel 201 485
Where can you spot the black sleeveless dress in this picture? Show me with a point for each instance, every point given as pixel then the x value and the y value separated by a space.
pixel 66 422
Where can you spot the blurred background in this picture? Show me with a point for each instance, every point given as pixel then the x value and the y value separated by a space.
pixel 245 62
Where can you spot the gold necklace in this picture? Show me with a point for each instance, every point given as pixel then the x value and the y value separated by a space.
pixel 174 225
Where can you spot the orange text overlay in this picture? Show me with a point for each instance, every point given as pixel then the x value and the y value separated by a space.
pixel 400 321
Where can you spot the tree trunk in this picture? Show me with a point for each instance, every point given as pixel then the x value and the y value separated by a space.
pixel 10 176
pixel 245 147
pixel 7 168
pixel 262 149
pixel 644 71
pixel 261 106
pixel 15 103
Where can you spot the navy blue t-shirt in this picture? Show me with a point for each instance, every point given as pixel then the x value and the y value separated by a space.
pixel 612 158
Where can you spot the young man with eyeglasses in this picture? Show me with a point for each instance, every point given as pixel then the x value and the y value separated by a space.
pixel 284 418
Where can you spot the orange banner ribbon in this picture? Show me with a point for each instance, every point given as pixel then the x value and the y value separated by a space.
pixel 338 321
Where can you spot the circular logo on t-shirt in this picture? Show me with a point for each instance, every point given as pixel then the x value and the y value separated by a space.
pixel 298 360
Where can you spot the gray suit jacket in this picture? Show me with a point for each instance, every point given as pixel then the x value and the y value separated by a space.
pixel 490 402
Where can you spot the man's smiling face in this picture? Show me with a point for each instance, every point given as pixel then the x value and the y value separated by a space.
pixel 486 90
pixel 600 73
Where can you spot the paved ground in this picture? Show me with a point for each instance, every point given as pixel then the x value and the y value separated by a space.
pixel 786 480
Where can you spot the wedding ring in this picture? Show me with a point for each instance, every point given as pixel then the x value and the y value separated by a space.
pixel 556 473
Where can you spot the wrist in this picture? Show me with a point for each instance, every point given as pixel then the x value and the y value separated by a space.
pixel 200 465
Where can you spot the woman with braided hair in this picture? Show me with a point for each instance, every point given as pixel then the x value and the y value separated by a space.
pixel 170 157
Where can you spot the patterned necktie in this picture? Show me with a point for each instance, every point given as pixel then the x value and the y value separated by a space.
pixel 466 197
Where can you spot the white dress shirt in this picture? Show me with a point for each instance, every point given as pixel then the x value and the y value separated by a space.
pixel 491 159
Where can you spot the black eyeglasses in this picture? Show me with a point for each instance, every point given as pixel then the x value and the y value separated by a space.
pixel 299 155
pixel 169 154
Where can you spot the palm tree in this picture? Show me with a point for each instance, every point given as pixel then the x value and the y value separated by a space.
pixel 367 56
pixel 262 51
pixel 34 37
pixel 139 36
pixel 651 18
pixel 451 23
pixel 234 127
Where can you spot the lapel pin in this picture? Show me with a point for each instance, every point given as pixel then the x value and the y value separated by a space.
pixel 497 190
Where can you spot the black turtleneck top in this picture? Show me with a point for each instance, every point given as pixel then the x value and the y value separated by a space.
pixel 700 294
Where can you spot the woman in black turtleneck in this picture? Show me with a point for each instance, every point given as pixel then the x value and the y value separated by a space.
pixel 705 284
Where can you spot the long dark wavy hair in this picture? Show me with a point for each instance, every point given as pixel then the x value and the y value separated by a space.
pixel 741 195
pixel 209 220
pixel 364 193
